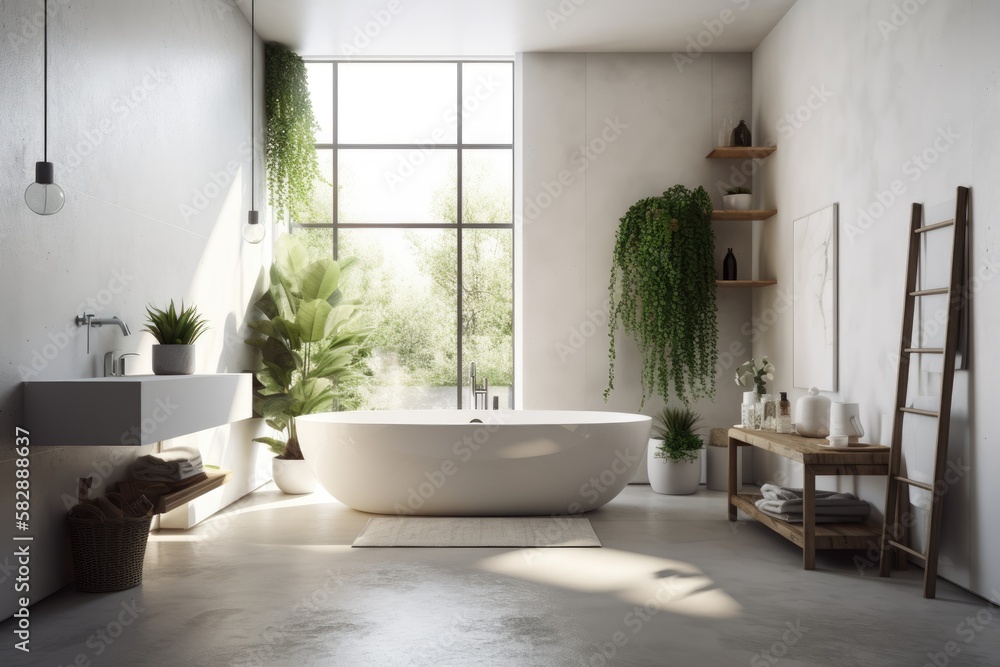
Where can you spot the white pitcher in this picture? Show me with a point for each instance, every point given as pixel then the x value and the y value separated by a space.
pixel 845 419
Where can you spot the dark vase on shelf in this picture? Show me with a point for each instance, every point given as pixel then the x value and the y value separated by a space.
pixel 741 135
pixel 729 266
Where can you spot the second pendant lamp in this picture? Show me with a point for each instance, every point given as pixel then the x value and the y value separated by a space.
pixel 253 231
pixel 43 196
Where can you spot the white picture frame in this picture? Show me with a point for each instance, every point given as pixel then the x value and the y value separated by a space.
pixel 814 311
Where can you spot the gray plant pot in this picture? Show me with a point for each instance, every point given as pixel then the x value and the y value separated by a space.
pixel 173 359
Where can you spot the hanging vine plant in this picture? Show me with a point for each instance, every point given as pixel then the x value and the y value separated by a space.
pixel 663 293
pixel 292 168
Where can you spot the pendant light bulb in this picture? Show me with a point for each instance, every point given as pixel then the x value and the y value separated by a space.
pixel 253 231
pixel 43 196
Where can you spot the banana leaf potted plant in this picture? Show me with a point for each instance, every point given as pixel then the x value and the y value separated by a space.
pixel 675 462
pixel 175 332
pixel 309 338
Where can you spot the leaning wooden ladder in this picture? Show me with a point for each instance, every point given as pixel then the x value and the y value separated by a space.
pixel 892 529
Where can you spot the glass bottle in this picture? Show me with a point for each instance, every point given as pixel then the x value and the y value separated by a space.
pixel 729 266
pixel 749 415
pixel 784 424
pixel 767 412
pixel 741 135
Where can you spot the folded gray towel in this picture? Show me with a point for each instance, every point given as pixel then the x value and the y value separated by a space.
pixel 171 465
pixel 797 518
pixel 828 507
pixel 775 492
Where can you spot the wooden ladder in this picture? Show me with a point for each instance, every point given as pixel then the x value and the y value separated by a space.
pixel 892 530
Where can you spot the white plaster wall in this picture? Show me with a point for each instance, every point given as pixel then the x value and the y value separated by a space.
pixel 851 92
pixel 672 114
pixel 148 114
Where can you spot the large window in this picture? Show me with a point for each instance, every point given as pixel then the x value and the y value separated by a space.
pixel 417 184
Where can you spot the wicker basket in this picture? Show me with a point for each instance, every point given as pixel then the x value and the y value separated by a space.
pixel 108 552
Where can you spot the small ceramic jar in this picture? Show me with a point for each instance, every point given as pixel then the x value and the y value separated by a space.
pixel 812 415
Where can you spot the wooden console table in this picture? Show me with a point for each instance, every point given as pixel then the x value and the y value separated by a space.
pixel 816 460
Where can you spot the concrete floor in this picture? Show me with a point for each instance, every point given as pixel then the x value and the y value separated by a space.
pixel 274 581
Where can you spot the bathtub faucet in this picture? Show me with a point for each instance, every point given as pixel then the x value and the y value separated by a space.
pixel 480 397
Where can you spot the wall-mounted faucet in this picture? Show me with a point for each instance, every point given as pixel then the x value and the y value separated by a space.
pixel 89 320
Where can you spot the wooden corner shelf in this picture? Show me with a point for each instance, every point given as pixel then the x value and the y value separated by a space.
pixel 753 214
pixel 745 283
pixel 174 500
pixel 729 152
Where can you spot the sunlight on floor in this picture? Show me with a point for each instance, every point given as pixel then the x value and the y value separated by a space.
pixel 671 585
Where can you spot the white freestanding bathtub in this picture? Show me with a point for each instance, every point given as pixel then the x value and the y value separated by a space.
pixel 435 462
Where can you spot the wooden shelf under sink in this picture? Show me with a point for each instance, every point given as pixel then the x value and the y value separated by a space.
pixel 170 501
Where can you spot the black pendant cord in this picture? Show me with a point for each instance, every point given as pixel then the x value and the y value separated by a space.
pixel 253 143
pixel 45 81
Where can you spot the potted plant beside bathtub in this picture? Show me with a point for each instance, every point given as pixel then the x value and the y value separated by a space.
pixel 175 332
pixel 309 340
pixel 674 464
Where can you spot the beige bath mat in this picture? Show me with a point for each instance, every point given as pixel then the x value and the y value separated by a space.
pixel 421 531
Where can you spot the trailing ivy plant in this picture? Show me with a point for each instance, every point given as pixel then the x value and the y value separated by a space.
pixel 292 168
pixel 662 293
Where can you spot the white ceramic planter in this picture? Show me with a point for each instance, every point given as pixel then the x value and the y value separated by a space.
pixel 173 359
pixel 737 202
pixel 672 478
pixel 641 475
pixel 293 476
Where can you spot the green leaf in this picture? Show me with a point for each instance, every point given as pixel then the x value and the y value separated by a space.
pixel 320 280
pixel 315 321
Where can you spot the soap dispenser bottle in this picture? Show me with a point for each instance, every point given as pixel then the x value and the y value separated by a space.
pixel 784 424
pixel 729 266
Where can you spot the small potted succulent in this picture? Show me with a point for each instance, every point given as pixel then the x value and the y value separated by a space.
pixel 175 331
pixel 675 463
pixel 737 199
